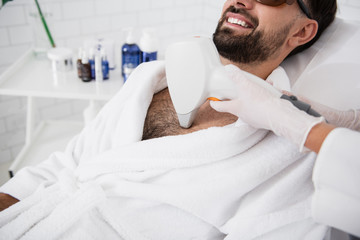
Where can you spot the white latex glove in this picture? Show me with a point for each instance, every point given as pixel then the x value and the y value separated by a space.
pixel 346 119
pixel 260 108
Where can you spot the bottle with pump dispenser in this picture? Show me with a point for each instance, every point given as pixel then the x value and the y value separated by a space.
pixel 130 55
pixel 104 64
pixel 149 44
pixel 92 62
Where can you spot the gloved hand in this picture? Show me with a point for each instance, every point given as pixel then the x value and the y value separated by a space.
pixel 347 119
pixel 260 108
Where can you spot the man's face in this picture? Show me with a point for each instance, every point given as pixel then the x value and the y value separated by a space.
pixel 244 37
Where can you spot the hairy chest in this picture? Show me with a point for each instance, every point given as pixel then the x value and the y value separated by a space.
pixel 161 119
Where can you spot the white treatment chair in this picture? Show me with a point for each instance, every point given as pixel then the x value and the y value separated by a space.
pixel 329 72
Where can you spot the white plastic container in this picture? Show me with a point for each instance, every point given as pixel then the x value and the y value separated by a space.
pixel 61 59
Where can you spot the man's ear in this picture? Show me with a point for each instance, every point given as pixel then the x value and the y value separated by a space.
pixel 304 34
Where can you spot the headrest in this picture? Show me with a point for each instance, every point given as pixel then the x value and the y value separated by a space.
pixel 329 71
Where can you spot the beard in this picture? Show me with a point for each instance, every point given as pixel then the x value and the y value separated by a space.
pixel 255 47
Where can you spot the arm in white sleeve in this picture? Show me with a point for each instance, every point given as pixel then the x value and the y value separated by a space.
pixel 28 179
pixel 336 177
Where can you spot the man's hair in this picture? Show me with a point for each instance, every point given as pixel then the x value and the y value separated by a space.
pixel 323 11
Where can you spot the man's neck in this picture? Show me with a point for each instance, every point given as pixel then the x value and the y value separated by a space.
pixel 262 70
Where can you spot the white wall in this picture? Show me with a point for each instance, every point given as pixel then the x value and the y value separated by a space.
pixel 72 21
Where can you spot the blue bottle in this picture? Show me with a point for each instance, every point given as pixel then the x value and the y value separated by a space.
pixel 148 56
pixel 92 62
pixel 148 45
pixel 104 64
pixel 130 56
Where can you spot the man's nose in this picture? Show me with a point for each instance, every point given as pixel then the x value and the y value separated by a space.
pixel 246 4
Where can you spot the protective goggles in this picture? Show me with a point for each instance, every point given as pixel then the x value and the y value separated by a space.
pixel 275 3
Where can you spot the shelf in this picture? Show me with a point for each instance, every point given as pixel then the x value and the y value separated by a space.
pixel 50 136
pixel 32 75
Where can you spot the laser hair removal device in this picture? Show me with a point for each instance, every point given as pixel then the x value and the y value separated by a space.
pixel 194 74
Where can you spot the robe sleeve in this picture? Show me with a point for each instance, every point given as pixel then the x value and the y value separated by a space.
pixel 28 179
pixel 336 178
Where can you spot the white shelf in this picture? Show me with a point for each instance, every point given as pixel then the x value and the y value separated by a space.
pixel 32 76
pixel 50 136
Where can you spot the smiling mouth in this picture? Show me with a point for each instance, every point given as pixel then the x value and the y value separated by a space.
pixel 239 22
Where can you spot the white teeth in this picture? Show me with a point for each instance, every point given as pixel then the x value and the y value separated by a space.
pixel 238 22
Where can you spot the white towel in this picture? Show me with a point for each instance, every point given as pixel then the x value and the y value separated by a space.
pixel 231 182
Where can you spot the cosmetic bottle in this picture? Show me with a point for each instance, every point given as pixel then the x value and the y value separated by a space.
pixel 98 69
pixel 85 68
pixel 130 55
pixel 109 46
pixel 92 62
pixel 78 62
pixel 104 64
pixel 148 45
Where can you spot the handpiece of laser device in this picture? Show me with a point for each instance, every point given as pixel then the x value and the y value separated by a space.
pixel 194 74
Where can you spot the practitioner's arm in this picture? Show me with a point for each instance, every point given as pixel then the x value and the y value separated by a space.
pixel 317 136
pixel 346 119
pixel 260 108
pixel 6 201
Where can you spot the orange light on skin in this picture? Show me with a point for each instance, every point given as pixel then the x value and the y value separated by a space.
pixel 213 99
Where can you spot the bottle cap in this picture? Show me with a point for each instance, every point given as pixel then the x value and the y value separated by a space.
pixel 130 38
pixel 103 54
pixel 149 41
pixel 85 58
pixel 91 53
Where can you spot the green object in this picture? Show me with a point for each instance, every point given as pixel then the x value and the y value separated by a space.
pixel 45 25
pixel 47 30
pixel 3 2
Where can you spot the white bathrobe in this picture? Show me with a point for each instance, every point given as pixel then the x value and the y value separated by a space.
pixel 231 182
